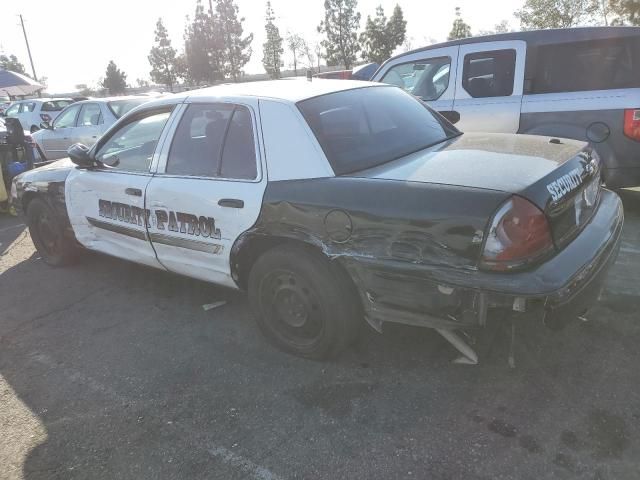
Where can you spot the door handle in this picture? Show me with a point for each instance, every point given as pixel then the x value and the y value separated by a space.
pixel 136 192
pixel 231 203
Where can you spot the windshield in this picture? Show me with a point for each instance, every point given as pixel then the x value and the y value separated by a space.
pixel 120 107
pixel 55 105
pixel 365 127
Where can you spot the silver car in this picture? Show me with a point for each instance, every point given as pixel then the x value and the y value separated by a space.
pixel 83 122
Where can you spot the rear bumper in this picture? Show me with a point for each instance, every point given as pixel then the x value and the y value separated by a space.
pixel 444 297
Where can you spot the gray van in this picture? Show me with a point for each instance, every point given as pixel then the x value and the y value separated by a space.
pixel 580 83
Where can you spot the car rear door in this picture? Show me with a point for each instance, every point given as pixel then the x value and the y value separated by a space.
pixel 489 86
pixel 58 140
pixel 429 75
pixel 106 205
pixel 208 188
pixel 88 126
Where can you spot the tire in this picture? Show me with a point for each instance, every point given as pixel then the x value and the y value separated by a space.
pixel 302 303
pixel 34 128
pixel 47 234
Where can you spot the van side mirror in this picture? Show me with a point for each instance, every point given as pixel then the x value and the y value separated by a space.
pixel 79 154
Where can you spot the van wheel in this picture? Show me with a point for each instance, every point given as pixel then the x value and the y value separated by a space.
pixel 47 234
pixel 302 303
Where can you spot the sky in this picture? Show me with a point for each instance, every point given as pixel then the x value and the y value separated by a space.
pixel 72 41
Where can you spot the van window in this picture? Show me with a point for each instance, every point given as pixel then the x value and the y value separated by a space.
pixel 582 66
pixel 427 79
pixel 489 74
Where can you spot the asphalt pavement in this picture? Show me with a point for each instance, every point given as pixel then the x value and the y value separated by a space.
pixel 111 370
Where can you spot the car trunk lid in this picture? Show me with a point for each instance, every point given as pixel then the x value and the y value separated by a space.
pixel 560 176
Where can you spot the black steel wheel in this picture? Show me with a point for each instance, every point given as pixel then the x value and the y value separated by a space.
pixel 47 234
pixel 302 303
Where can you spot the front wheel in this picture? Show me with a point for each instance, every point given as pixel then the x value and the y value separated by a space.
pixel 47 234
pixel 303 303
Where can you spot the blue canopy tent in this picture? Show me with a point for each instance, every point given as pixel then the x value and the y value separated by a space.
pixel 15 84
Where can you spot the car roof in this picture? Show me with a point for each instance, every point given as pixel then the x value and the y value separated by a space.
pixel 113 99
pixel 288 90
pixel 538 37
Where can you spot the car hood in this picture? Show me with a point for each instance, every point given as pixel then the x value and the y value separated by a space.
pixel 494 161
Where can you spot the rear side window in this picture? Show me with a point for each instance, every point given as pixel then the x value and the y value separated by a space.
pixel 214 140
pixel 489 74
pixel 365 127
pixel 582 66
pixel 28 107
pixel 55 105
pixel 427 79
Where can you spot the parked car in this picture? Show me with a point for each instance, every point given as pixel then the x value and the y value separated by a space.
pixel 33 112
pixel 82 122
pixel 333 200
pixel 580 83
pixel 335 75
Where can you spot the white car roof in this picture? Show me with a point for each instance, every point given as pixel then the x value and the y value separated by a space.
pixel 288 90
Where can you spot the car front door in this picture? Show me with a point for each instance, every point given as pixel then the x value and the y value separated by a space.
pixel 208 189
pixel 88 126
pixel 26 113
pixel 57 140
pixel 489 86
pixel 429 75
pixel 106 204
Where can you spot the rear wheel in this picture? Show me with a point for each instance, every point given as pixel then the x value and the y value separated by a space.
pixel 47 234
pixel 303 304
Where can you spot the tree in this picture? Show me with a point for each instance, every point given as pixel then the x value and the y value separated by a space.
pixel 163 58
pixel 272 49
pixel 460 29
pixel 340 26
pixel 502 27
pixel 12 63
pixel 627 12
pixel 236 49
pixel 115 80
pixel 202 48
pixel 308 56
pixel 296 44
pixel 381 37
pixel 541 14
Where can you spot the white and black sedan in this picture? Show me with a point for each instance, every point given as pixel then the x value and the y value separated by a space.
pixel 330 201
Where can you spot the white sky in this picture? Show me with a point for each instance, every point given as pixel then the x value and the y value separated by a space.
pixel 73 40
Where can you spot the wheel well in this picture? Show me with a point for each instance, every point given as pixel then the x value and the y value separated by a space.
pixel 248 252
pixel 27 197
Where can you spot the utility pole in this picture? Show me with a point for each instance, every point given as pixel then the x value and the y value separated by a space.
pixel 26 40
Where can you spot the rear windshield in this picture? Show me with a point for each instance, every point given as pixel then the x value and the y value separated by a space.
pixel 365 127
pixel 55 105
pixel 591 65
pixel 120 107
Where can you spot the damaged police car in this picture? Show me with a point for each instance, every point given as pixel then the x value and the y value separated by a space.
pixel 330 201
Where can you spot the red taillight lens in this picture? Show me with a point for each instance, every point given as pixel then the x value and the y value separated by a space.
pixel 45 117
pixel 519 234
pixel 632 123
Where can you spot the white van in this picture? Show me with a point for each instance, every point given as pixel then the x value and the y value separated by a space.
pixel 581 83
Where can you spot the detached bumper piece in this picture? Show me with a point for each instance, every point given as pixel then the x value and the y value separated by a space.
pixel 449 299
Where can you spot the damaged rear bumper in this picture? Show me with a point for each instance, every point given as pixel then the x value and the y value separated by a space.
pixel 439 296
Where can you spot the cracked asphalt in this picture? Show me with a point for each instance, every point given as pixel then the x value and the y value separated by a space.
pixel 111 370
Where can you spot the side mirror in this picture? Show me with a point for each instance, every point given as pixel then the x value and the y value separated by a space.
pixel 79 154
pixel 46 126
pixel 451 115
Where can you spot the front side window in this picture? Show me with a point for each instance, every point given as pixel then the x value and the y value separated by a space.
pixel 214 140
pixel 90 115
pixel 131 147
pixel 67 118
pixel 365 127
pixel 28 107
pixel 489 74
pixel 12 110
pixel 427 79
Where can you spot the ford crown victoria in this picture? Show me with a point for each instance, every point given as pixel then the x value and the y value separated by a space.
pixel 330 201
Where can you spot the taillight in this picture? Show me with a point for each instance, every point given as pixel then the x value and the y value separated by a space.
pixel 519 234
pixel 45 117
pixel 632 123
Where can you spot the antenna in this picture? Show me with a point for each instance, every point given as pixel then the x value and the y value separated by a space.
pixel 26 40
